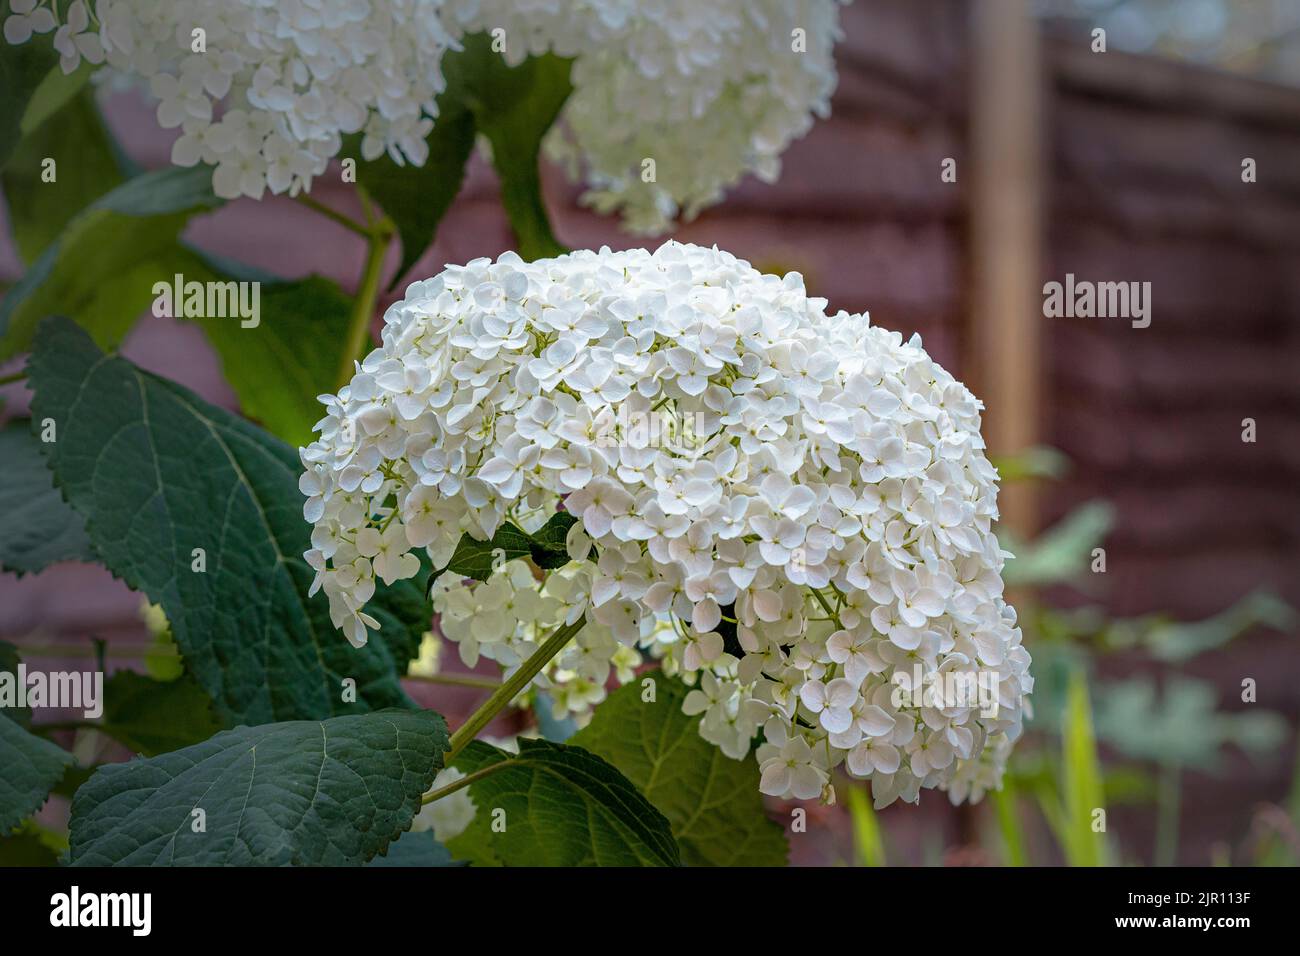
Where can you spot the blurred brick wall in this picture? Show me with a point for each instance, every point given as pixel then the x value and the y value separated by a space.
pixel 1146 185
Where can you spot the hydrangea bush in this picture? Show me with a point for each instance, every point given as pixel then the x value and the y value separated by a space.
pixel 814 550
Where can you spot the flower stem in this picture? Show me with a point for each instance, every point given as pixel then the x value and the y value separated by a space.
pixel 379 234
pixel 511 687
pixel 12 377
pixel 463 782
pixel 830 611
pixel 333 214
pixel 456 680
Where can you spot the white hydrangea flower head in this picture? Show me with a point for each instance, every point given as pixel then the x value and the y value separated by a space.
pixel 710 92
pixel 276 85
pixel 791 509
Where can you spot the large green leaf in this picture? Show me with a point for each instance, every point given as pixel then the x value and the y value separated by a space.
pixel 103 266
pixel 331 792
pixel 23 67
pixel 563 806
pixel 513 107
pixel 712 801
pixel 37 527
pixel 152 716
pixel 30 766
pixel 157 472
pixel 74 137
pixel 29 769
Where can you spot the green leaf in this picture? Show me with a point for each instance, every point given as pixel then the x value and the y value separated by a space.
pixel 52 93
pixel 548 549
pixel 9 661
pixel 31 768
pixel 415 850
pixel 513 107
pixel 162 659
pixel 563 806
pixel 279 367
pixel 332 792
pixel 75 138
pixel 153 717
pixel 37 527
pixel 417 197
pixel 1178 641
pixel 158 472
pixel 27 847
pixel 103 266
pixel 1081 785
pixel 1182 725
pixel 23 67
pixel 1063 552
pixel 711 800
pixel 478 559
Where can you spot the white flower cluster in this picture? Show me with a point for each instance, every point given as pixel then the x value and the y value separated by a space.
pixel 708 91
pixel 831 515
pixel 294 77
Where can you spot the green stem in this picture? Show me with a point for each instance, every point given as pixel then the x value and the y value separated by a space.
pixel 363 306
pixel 511 687
pixel 456 680
pixel 463 782
pixel 335 215
pixel 826 606
pixel 12 377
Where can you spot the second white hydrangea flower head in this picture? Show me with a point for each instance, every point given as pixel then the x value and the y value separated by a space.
pixel 791 509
